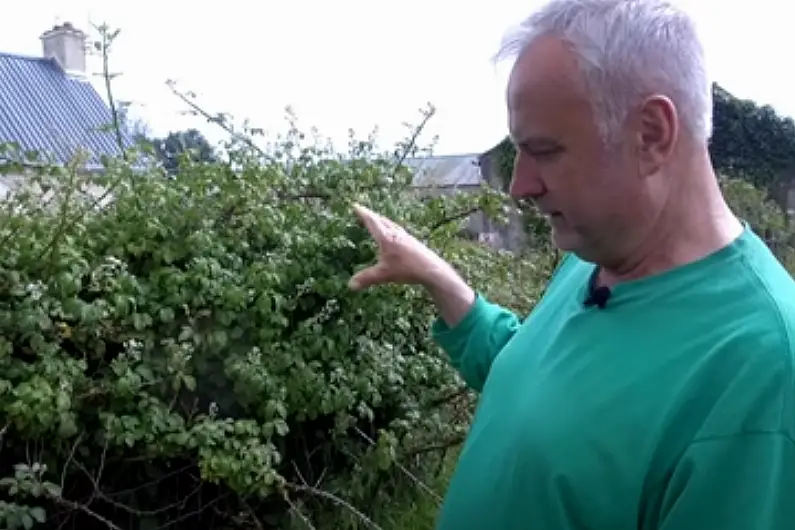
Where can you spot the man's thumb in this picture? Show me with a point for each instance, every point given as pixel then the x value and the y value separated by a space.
pixel 368 277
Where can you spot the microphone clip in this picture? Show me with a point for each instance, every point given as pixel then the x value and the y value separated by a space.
pixel 598 295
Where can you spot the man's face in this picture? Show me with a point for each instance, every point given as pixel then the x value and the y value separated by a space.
pixel 590 194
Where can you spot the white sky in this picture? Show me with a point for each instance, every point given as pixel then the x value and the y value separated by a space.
pixel 360 63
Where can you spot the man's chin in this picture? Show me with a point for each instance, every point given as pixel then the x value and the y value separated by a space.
pixel 565 239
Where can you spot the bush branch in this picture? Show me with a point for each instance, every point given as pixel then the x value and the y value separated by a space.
pixel 334 499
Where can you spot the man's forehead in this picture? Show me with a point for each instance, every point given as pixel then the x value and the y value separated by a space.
pixel 547 69
pixel 543 90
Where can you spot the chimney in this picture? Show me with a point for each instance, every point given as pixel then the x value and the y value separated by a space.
pixel 67 45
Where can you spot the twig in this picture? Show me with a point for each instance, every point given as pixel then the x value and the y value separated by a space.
pixel 145 485
pixel 99 494
pixel 413 141
pixel 69 460
pixel 254 517
pixel 454 217
pixel 107 40
pixel 336 500
pixel 3 432
pixel 404 469
pixel 216 120
pixel 192 513
pixel 85 509
pixel 310 194
pixel 297 511
pixel 102 464
pixel 463 391
pixel 436 447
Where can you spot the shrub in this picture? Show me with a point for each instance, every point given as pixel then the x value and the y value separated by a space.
pixel 763 214
pixel 189 355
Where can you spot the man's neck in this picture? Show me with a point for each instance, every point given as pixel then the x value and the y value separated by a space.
pixel 696 223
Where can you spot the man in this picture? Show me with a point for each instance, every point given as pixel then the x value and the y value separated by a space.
pixel 653 386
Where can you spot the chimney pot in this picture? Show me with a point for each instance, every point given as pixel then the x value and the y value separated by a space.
pixel 67 45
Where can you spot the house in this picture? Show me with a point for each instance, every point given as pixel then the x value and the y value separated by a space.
pixel 465 174
pixel 48 105
pixel 446 174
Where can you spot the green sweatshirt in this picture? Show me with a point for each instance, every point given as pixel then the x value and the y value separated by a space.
pixel 673 408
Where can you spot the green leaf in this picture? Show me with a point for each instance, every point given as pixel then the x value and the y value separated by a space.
pixel 38 514
pixel 190 382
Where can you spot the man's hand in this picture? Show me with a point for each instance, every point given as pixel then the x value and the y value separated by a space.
pixel 403 259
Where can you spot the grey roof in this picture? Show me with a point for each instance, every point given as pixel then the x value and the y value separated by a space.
pixel 446 171
pixel 44 109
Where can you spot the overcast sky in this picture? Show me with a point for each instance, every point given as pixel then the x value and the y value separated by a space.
pixel 360 63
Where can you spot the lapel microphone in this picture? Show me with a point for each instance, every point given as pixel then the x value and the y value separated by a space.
pixel 598 295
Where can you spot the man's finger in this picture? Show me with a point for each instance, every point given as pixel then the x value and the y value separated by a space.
pixel 368 277
pixel 369 219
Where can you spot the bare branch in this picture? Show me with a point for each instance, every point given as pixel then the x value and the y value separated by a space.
pixel 336 500
pixel 107 40
pixel 69 460
pixel 99 494
pixel 441 446
pixel 297 511
pixel 251 514
pixel 83 508
pixel 149 483
pixel 424 487
pixel 192 513
pixel 413 140
pixel 454 217
pixel 215 119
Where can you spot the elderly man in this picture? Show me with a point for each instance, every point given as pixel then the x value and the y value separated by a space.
pixel 653 386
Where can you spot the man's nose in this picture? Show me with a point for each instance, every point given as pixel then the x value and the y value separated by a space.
pixel 526 182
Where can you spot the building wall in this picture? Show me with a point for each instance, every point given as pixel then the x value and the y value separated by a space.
pixel 510 236
pixel 14 182
pixel 466 174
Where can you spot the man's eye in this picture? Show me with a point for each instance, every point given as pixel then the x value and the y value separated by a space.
pixel 545 154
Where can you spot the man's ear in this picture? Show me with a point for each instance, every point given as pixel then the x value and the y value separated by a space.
pixel 657 132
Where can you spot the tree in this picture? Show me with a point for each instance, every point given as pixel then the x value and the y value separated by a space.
pixel 752 141
pixel 182 145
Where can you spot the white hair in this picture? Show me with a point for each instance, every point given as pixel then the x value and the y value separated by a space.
pixel 628 50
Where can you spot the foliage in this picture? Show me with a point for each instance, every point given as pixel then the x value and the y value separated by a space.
pixel 177 145
pixel 189 354
pixel 752 205
pixel 535 225
pixel 752 140
pixel 503 155
pixel 764 215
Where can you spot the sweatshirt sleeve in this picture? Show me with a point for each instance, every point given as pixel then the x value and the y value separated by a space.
pixel 734 483
pixel 475 341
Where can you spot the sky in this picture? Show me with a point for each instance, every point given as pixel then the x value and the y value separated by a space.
pixel 360 64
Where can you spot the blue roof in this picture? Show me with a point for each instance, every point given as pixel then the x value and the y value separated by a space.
pixel 43 109
pixel 446 171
